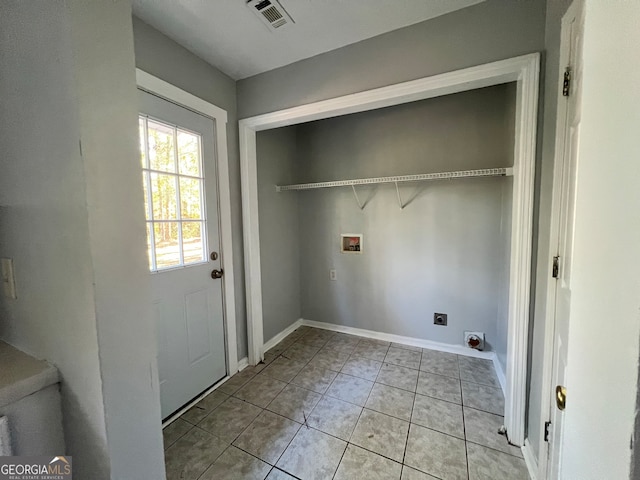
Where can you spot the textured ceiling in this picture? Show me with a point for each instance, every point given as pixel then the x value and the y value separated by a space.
pixel 229 36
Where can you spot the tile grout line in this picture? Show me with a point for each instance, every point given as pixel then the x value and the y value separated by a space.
pixel 245 429
pixel 406 440
pixel 464 424
pixel 496 450
pixel 305 424
pixel 266 409
pixel 357 421
pixel 301 426
pixel 341 457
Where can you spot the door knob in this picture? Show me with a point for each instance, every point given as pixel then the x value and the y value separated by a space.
pixel 561 397
pixel 217 273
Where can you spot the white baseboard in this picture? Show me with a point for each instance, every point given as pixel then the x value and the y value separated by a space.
pixel 243 363
pixel 389 337
pixel 272 342
pixel 502 378
pixel 530 459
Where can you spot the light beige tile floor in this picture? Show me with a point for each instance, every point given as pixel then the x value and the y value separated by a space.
pixel 328 405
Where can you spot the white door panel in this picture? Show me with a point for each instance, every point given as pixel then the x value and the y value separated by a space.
pixel 197 315
pixel 569 135
pixel 179 175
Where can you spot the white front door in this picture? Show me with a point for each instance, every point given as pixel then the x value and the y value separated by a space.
pixel 568 136
pixel 179 177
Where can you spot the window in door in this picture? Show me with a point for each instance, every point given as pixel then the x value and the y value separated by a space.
pixel 173 182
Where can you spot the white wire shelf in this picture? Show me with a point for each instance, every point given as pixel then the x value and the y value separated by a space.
pixel 485 172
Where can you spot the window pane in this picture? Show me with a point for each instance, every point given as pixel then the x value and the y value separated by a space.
pixel 161 154
pixel 149 252
pixel 190 199
pixel 189 153
pixel 145 176
pixel 142 140
pixel 192 242
pixel 167 244
pixel 163 192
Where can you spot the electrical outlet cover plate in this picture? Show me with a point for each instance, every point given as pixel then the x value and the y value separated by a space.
pixel 440 319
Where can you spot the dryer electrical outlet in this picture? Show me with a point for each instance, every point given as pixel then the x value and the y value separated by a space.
pixel 440 319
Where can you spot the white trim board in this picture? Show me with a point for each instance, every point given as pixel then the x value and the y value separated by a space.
pixel 524 71
pixel 502 378
pixel 243 363
pixel 530 459
pixel 390 337
pixel 175 95
pixel 170 92
pixel 279 337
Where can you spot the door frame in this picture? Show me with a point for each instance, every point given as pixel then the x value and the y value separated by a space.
pixel 173 94
pixel 562 104
pixel 523 70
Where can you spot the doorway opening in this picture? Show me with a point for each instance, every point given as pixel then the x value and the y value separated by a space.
pixel 523 71
pixel 185 176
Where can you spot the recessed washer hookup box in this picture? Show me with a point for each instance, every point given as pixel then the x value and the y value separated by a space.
pixel 351 243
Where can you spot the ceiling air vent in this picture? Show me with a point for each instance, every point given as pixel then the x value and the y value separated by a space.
pixel 271 13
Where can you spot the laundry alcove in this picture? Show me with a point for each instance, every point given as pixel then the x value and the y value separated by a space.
pixel 444 248
pixel 278 214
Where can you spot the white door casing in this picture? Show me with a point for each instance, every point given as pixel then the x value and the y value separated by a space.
pixel 193 302
pixel 524 71
pixel 561 237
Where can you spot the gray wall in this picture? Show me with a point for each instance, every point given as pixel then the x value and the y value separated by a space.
pixel 43 224
pixel 489 31
pixel 160 56
pixel 279 230
pixel 443 252
pixel 544 184
pixel 68 185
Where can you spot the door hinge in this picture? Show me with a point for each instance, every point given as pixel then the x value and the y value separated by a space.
pixel 546 431
pixel 566 83
pixel 556 267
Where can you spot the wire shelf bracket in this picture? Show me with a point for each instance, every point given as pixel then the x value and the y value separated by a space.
pixel 400 204
pixel 355 194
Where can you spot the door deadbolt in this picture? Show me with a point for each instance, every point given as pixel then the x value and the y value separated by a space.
pixel 214 255
pixel 561 397
pixel 215 274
